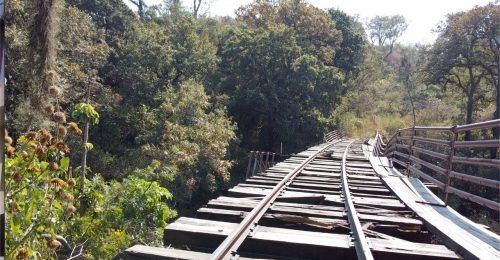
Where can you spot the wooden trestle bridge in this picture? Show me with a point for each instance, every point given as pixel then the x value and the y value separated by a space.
pixel 348 199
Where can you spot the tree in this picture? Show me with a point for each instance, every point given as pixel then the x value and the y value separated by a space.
pixel 113 16
pixel 482 26
pixel 80 49
pixel 313 29
pixel 169 117
pixel 386 30
pixel 279 73
pixel 465 55
pixel 410 76
pixel 277 92
pixel 353 47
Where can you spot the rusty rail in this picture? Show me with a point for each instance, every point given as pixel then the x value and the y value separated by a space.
pixel 408 147
pixel 360 242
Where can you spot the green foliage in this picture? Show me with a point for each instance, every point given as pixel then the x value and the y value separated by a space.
pixel 278 74
pixel 465 58
pixel 39 198
pixel 84 112
pixel 169 118
pixel 80 51
pixel 352 49
pixel 42 199
pixel 189 139
pixel 115 219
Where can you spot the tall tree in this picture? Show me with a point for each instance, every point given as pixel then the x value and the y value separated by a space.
pixel 464 56
pixel 353 47
pixel 482 26
pixel 280 75
pixel 386 30
pixel 313 29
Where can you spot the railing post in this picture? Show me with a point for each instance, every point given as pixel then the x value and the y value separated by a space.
pixel 410 151
pixel 261 161
pixel 272 160
pixel 250 155
pixel 454 138
pixel 255 158
pixel 267 161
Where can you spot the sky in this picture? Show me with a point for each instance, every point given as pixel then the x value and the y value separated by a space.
pixel 422 15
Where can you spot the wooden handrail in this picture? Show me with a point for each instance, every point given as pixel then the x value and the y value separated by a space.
pixel 406 149
pixel 480 125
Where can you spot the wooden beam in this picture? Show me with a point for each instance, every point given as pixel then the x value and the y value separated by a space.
pixel 295 243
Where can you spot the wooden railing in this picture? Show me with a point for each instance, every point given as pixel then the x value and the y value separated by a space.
pixel 332 136
pixel 259 162
pixel 437 154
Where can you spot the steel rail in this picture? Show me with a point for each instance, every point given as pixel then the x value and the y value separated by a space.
pixel 233 241
pixel 360 243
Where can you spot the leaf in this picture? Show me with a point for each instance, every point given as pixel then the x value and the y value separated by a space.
pixel 89 146
pixel 64 163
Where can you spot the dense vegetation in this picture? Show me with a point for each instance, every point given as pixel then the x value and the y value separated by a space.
pixel 117 120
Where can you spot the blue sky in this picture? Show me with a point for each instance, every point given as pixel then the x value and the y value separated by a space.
pixel 422 15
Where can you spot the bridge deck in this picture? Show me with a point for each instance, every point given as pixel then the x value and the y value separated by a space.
pixel 309 218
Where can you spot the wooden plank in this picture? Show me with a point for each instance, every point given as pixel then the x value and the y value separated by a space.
pixel 278 220
pixel 330 199
pixel 457 232
pixel 320 212
pixel 140 252
pixel 319 180
pixel 251 203
pixel 293 243
pixel 359 191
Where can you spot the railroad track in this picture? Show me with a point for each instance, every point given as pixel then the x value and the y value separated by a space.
pixel 324 203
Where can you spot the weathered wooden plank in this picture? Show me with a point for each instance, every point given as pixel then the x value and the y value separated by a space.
pixel 140 252
pixel 267 188
pixel 319 180
pixel 327 212
pixel 457 232
pixel 330 199
pixel 265 240
pixel 278 220
pixel 323 189
pixel 251 203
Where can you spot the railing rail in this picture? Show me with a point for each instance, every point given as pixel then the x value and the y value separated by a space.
pixel 259 162
pixel 332 136
pixel 433 154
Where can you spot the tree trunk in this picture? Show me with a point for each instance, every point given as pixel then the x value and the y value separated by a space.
pixel 496 130
pixel 470 102
pixel 196 8
pixel 470 111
